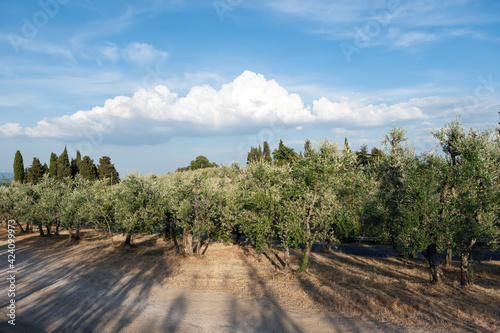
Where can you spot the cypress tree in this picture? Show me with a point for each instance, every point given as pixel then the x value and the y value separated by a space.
pixel 281 145
pixel 362 155
pixel 45 168
pixel 63 166
pixel 53 166
pixel 87 169
pixel 253 155
pixel 284 154
pixel 35 171
pixel 267 152
pixel 346 145
pixel 18 167
pixel 106 170
pixel 75 164
pixel 307 148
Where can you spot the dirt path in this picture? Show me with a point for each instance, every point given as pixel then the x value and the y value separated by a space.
pixel 55 294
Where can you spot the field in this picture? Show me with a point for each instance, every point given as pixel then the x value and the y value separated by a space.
pixel 94 285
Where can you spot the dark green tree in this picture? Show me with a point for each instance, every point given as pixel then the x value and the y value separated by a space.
pixel 201 162
pixel 45 168
pixel 307 148
pixel 375 154
pixel 87 169
pixel 18 167
pixel 35 172
pixel 107 171
pixel 75 164
pixel 53 166
pixel 183 169
pixel 63 165
pixel 254 155
pixel 346 145
pixel 267 152
pixel 362 155
pixel 284 154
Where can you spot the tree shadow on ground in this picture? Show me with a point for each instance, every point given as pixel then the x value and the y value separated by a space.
pixel 348 283
pixel 82 296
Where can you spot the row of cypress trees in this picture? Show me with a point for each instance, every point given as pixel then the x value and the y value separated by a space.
pixel 60 167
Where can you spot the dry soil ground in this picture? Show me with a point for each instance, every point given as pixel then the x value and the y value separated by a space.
pixel 94 286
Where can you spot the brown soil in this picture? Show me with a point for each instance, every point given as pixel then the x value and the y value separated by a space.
pixel 92 285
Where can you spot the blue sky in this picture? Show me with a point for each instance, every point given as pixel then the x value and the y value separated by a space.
pixel 153 84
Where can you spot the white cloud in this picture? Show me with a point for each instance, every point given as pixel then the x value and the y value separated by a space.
pixel 400 23
pixel 413 37
pixel 348 133
pixel 11 130
pixel 143 53
pixel 19 43
pixel 248 103
pixel 110 51
pixel 356 113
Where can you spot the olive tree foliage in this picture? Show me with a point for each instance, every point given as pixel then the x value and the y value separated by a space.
pixel 7 202
pixel 102 211
pixel 203 206
pixel 382 216
pixel 319 180
pixel 165 205
pixel 473 162
pixel 76 206
pixel 266 199
pixel 132 201
pixel 26 208
pixel 51 202
pixel 408 208
pixel 20 202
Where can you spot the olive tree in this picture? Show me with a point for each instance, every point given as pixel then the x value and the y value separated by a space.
pixel 319 179
pixel 76 203
pixel 201 194
pixel 473 161
pixel 132 209
pixel 268 203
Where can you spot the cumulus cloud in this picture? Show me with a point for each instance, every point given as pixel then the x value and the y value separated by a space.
pixel 245 105
pixel 355 112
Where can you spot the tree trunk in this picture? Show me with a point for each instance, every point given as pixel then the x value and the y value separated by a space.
pixel 76 236
pixel 20 226
pixel 286 257
pixel 40 228
pixel 56 233
pixel 328 246
pixel 431 254
pixel 238 236
pixel 188 242
pixel 198 247
pixel 70 233
pixel 47 226
pixel 127 239
pixel 307 249
pixel 396 252
pixel 174 238
pixel 305 258
pixel 464 269
pixel 449 255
